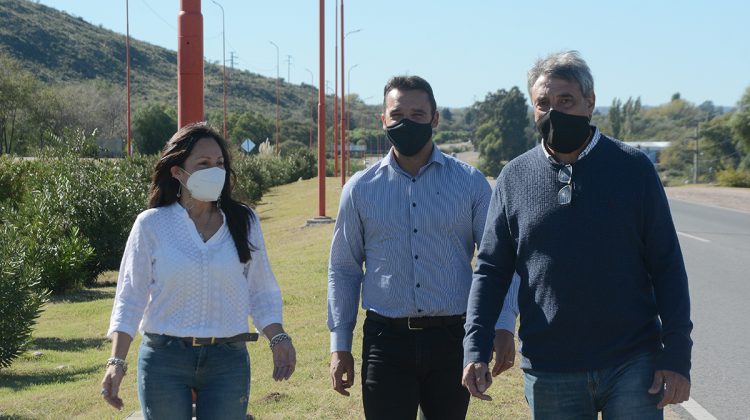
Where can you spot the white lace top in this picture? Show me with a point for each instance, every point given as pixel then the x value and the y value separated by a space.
pixel 171 282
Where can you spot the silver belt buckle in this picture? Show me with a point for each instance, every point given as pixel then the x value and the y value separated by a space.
pixel 408 324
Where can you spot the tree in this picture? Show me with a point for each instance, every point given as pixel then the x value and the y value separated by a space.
pixel 17 88
pixel 446 115
pixel 154 125
pixel 500 135
pixel 249 125
pixel 740 122
pixel 615 117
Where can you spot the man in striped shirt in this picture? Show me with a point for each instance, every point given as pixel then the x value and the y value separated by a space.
pixel 413 220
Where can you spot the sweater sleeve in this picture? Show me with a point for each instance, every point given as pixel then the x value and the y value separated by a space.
pixel 666 268
pixel 492 278
pixel 133 281
pixel 265 295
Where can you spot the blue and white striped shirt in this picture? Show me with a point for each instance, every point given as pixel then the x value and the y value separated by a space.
pixel 416 237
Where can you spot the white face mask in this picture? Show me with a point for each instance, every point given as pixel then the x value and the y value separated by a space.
pixel 206 184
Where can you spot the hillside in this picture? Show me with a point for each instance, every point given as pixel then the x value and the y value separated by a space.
pixel 59 48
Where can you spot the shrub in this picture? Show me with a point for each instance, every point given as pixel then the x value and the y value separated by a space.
pixel 44 230
pixel 21 296
pixel 734 178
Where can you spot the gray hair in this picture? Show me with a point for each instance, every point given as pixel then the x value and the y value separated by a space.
pixel 566 65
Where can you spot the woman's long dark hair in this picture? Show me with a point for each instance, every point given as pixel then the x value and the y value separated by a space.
pixel 164 187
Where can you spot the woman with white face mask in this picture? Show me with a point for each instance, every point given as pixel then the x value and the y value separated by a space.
pixel 194 267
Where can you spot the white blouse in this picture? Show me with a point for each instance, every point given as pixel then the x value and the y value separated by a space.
pixel 171 282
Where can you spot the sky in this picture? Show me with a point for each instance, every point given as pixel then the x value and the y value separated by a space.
pixel 641 48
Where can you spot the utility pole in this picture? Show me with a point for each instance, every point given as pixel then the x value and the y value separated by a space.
pixel 224 64
pixel 232 56
pixel 289 68
pixel 127 70
pixel 277 95
pixel 695 158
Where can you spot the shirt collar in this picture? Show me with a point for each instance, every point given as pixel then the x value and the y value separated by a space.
pixel 587 150
pixel 390 160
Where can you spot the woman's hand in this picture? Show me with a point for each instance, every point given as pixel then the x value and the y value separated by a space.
pixel 111 386
pixel 284 360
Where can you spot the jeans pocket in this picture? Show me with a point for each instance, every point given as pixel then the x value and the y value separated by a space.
pixel 157 341
pixel 235 346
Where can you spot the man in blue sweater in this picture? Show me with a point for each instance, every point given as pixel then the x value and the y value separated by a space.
pixel 603 298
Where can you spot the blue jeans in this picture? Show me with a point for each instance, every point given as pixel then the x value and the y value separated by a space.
pixel 169 368
pixel 619 392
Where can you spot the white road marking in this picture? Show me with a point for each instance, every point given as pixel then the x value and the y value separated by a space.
pixel 696 410
pixel 693 237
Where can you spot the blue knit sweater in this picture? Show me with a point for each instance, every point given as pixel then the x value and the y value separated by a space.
pixel 602 278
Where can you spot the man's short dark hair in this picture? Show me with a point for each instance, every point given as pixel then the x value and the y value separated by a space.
pixel 410 83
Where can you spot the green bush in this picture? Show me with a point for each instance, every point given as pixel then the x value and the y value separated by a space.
pixel 20 294
pixel 256 174
pixel 44 229
pixel 734 178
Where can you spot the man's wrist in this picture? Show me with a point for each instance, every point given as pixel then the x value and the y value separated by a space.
pixel 341 341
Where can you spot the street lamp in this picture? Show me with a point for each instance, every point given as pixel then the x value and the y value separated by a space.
pixel 349 112
pixel 277 95
pixel 127 70
pixel 343 101
pixel 312 100
pixel 224 62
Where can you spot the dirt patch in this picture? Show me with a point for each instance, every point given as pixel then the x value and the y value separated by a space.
pixel 731 198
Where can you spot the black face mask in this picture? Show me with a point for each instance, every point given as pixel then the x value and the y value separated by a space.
pixel 563 133
pixel 409 137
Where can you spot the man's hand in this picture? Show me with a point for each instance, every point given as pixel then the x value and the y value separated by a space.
pixel 504 347
pixel 477 379
pixel 342 363
pixel 676 387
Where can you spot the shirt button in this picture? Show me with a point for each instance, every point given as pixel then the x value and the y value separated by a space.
pixel 415 231
pixel 416 257
pixel 417 285
pixel 414 180
pixel 419 310
pixel 414 204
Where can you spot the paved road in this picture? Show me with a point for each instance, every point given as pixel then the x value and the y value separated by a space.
pixel 716 247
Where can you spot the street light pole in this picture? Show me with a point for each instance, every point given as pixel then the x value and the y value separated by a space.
pixel 127 67
pixel 336 93
pixel 349 111
pixel 277 95
pixel 224 62
pixel 312 99
pixel 343 102
pixel 322 118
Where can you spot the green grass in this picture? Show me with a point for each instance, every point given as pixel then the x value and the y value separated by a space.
pixel 63 382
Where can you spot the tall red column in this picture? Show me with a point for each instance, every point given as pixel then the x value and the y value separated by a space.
pixel 189 63
pixel 322 118
pixel 343 104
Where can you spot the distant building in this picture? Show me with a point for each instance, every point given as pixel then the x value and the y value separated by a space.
pixel 652 149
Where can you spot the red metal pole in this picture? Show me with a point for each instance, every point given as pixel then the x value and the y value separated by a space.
pixel 190 63
pixel 336 94
pixel 322 118
pixel 343 103
pixel 127 67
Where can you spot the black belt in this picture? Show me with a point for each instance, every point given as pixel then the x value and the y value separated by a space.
pixel 418 323
pixel 210 341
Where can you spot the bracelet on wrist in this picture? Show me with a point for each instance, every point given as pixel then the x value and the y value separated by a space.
pixel 116 361
pixel 278 338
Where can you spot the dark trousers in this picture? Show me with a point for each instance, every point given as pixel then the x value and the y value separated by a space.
pixel 403 369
